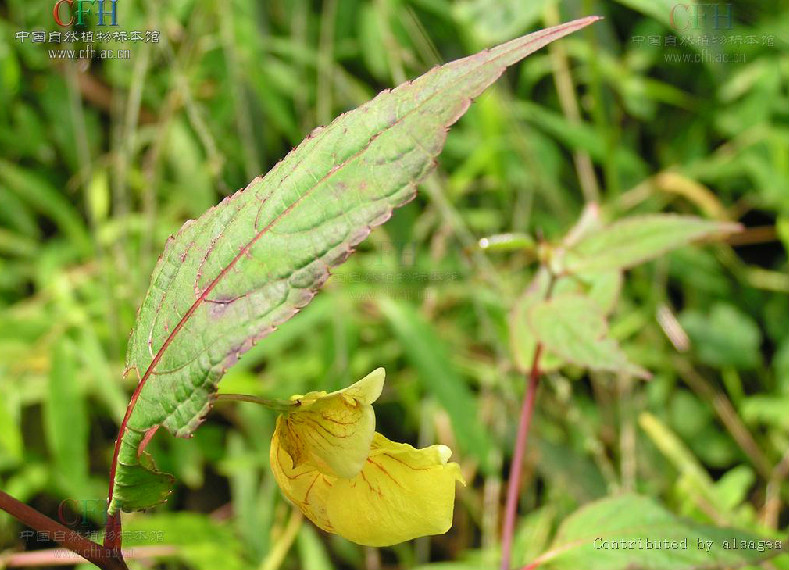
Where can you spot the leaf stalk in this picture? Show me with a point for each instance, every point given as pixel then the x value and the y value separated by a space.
pixel 276 405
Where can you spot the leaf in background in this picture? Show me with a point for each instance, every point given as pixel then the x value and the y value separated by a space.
pixel 98 368
pixel 533 534
pixel 312 551
pixel 574 471
pixel 11 451
pixel 523 341
pixel 66 420
pixel 573 327
pixel 431 357
pixel 36 192
pixel 662 10
pixel 732 489
pixel 602 287
pixel 190 169
pixel 583 136
pixel 198 541
pixel 770 410
pixel 637 239
pixel 499 20
pixel 579 540
pixel 725 337
pixel 15 215
pixel 247 265
pixel 677 453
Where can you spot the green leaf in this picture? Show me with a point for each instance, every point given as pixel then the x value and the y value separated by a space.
pixel 196 540
pixel 612 534
pixel 523 341
pixel 35 191
pixel 533 534
pixel 725 337
pixel 11 450
pixel 770 410
pixel 678 454
pixel 732 489
pixel 499 20
pixel 312 552
pixel 603 288
pixel 431 357
pixel 249 264
pixel 662 10
pixel 66 420
pixel 573 327
pixel 638 239
pixel 572 471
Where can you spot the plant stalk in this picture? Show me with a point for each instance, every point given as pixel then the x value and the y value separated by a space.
pixel 104 558
pixel 516 468
pixel 276 405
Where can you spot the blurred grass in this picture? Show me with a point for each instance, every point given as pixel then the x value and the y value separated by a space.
pixel 102 160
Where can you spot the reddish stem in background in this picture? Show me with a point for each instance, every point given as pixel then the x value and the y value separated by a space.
pixel 516 468
pixel 104 558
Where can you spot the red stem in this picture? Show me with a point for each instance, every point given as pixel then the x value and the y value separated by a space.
pixel 516 468
pixel 104 558
pixel 113 532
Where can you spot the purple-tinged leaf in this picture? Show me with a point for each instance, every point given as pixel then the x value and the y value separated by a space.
pixel 232 276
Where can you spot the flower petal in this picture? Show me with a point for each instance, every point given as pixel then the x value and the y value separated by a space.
pixel 367 390
pixel 303 484
pixel 333 431
pixel 401 493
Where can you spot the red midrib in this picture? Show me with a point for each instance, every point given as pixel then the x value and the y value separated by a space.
pixel 135 396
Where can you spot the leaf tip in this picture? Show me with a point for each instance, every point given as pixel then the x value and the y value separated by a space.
pixel 575 25
pixel 583 22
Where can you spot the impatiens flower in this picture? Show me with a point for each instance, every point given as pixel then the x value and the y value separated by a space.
pixel 349 480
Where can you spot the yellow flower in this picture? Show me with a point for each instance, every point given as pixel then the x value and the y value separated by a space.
pixel 349 480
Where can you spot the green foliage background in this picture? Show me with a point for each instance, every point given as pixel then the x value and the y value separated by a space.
pixel 100 162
